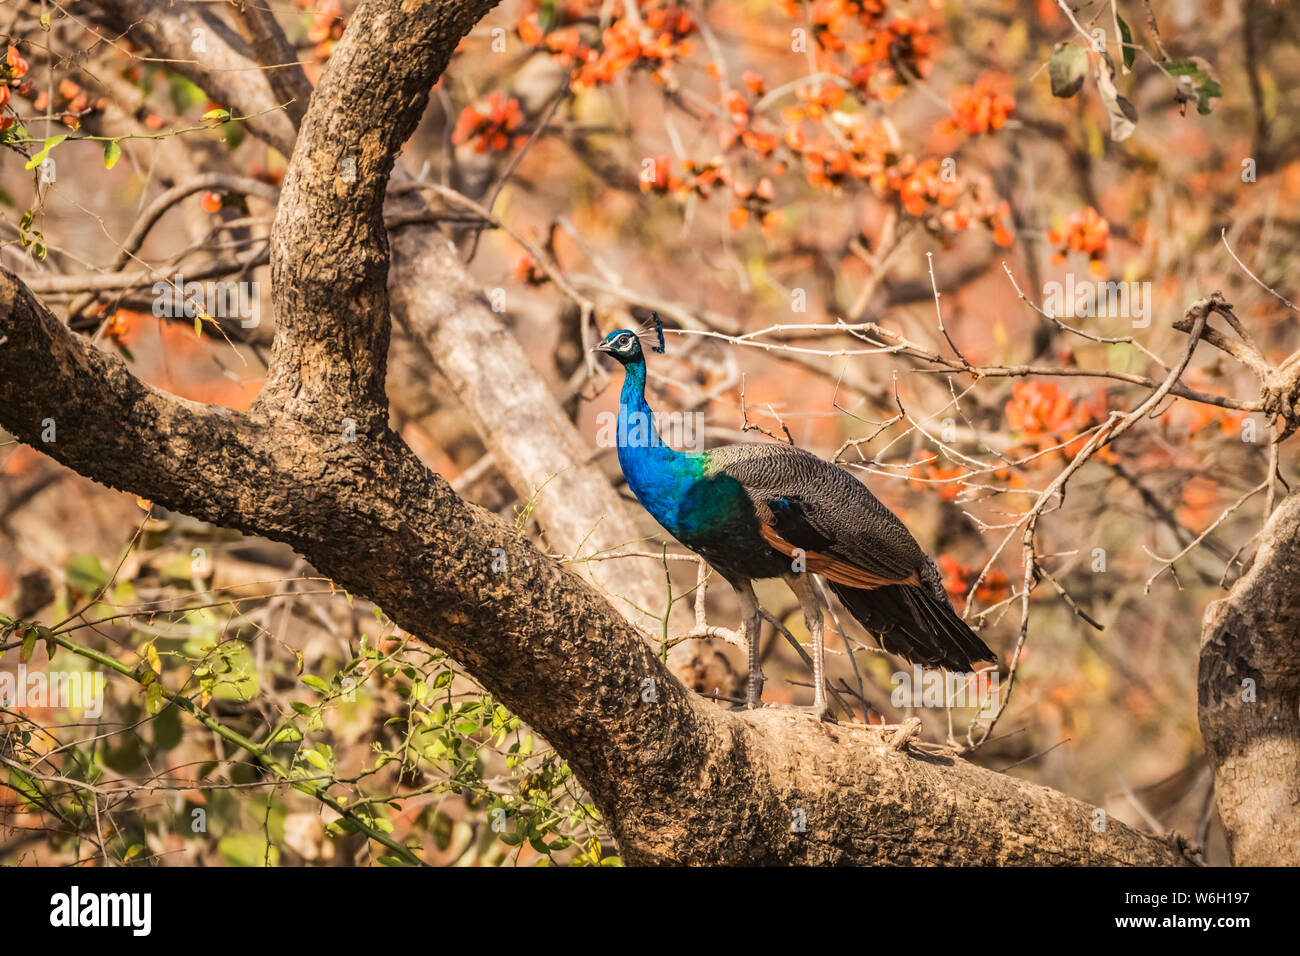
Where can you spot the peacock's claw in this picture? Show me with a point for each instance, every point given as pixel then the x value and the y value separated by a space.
pixel 822 714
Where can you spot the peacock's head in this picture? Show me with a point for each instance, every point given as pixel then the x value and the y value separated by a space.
pixel 623 345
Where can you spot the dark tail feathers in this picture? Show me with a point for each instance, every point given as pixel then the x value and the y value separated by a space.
pixel 916 625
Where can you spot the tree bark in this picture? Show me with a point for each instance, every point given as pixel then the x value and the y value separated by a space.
pixel 1249 698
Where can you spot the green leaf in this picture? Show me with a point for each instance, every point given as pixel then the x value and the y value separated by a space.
pixel 29 645
pixel 314 682
pixel 45 634
pixel 1209 89
pixel 86 575
pixel 1198 80
pixel 153 698
pixel 112 153
pixel 1129 48
pixel 24 785
pixel 1067 69
pixel 392 861
pixel 316 760
pixel 44 153
pixel 233 134
pixel 184 94
pixel 246 849
pixel 217 115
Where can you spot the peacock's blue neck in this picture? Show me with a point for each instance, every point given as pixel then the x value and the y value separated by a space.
pixel 638 435
pixel 660 476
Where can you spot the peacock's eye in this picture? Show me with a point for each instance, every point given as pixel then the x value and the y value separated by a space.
pixel 624 341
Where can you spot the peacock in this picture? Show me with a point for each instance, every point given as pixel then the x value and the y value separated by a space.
pixel 766 510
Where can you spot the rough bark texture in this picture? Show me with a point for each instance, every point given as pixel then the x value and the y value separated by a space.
pixel 678 779
pixel 329 247
pixel 1249 698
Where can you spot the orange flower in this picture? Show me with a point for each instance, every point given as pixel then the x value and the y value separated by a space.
pixel 1084 231
pixel 981 108
pixel 661 180
pixel 527 271
pixel 115 326
pixel 772 222
pixel 902 46
pixel 957 579
pixel 529 31
pixel 1043 417
pixel 12 68
pixel 997 221
pixel 493 129
pixel 624 47
pixel 1199 499
pixel 820 100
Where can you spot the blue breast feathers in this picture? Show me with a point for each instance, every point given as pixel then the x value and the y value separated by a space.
pixel 671 485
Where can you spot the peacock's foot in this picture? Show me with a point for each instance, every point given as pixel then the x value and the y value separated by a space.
pixel 822 713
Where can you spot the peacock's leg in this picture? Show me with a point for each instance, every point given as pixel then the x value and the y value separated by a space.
pixel 751 622
pixel 802 585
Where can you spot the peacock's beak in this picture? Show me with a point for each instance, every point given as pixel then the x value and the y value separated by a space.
pixel 601 346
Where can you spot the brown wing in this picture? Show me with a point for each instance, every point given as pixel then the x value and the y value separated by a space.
pixel 834 568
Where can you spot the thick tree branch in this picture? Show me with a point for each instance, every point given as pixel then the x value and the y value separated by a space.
pixel 329 247
pixel 1249 698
